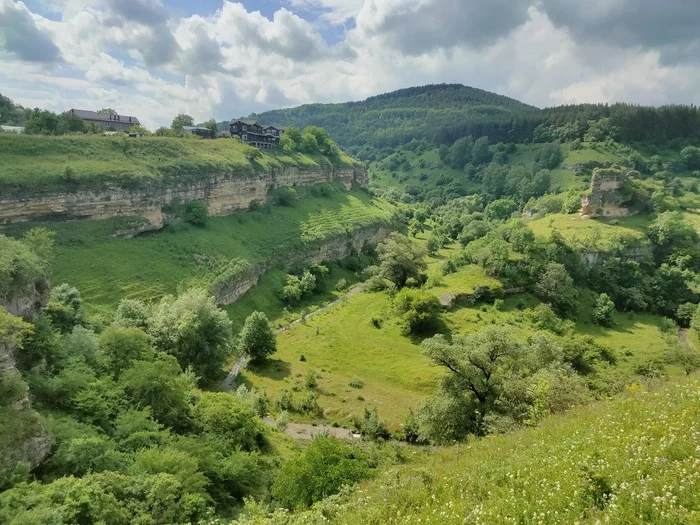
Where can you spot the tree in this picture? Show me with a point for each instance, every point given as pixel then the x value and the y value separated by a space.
pixel 65 308
pixel 212 126
pixel 321 470
pixel 604 311
pixel 180 121
pixel 691 157
pixel 132 313
pixel 160 385
pixel 400 259
pixel 481 154
pixel 193 329
pixel 223 415
pixel 500 209
pixel 549 156
pixel 461 152
pixel 555 286
pixel 122 346
pixel 257 339
pixel 686 357
pixel 107 111
pixel 476 363
pixel 685 313
pixel 418 310
pixel 291 139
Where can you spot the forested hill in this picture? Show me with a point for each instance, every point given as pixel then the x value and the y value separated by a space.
pixel 445 113
pixel 395 118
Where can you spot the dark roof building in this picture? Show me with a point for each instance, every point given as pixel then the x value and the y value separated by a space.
pixel 197 130
pixel 277 131
pixel 251 132
pixel 106 121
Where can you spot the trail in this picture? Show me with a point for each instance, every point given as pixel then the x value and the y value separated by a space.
pixel 683 338
pixel 306 431
pixel 243 360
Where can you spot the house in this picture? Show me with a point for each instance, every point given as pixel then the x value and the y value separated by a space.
pixel 197 130
pixel 12 129
pixel 277 131
pixel 106 121
pixel 252 132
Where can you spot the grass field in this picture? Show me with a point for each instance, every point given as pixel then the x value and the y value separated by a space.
pixel 107 269
pixel 32 163
pixel 342 344
pixel 593 234
pixel 591 153
pixel 632 460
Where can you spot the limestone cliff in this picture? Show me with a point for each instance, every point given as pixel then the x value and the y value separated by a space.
pixel 224 194
pixel 229 290
pixel 609 195
pixel 23 437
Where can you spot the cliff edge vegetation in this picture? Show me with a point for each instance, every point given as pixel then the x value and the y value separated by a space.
pixel 31 163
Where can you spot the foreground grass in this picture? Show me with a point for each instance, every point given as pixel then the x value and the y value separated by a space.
pixel 629 461
pixel 107 269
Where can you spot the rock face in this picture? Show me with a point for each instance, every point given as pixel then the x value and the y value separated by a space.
pixel 224 194
pixel 608 194
pixel 25 439
pixel 335 249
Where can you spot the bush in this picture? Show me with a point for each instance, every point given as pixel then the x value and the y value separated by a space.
pixel 321 470
pixel 309 404
pixel 310 380
pixel 417 309
pixel 12 387
pixel 284 196
pixel 356 383
pixel 285 402
pixel 370 426
pixel 604 311
pixel 341 285
pixel 196 213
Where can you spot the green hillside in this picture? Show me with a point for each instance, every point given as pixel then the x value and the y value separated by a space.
pixel 33 163
pixel 631 460
pixel 400 116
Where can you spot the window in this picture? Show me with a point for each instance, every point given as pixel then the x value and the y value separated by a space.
pixel 245 128
pixel 235 128
pixel 245 137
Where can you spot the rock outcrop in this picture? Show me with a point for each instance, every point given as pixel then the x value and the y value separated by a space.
pixel 609 194
pixel 23 437
pixel 224 194
pixel 228 291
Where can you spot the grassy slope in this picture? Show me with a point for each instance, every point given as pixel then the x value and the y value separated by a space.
pixel 596 234
pixel 342 344
pixel 641 448
pixel 30 163
pixel 107 269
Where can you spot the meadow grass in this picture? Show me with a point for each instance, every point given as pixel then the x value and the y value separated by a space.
pixel 31 163
pixel 343 344
pixel 107 269
pixel 631 460
pixel 590 153
pixel 593 234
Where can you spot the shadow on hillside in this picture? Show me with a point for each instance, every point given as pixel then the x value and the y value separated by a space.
pixel 274 369
pixel 438 328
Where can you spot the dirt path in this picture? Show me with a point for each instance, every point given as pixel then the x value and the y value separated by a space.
pixel 306 431
pixel 683 338
pixel 242 361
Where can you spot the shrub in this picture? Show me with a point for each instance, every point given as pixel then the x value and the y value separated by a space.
pixel 310 380
pixel 285 401
pixel 282 421
pixel 418 310
pixel 370 426
pixel 341 285
pixel 196 213
pixel 309 404
pixel 12 387
pixel 284 196
pixel 356 383
pixel 604 311
pixel 321 470
pixel 376 322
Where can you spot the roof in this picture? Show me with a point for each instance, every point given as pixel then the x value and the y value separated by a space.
pixel 246 122
pixel 14 129
pixel 281 128
pixel 195 128
pixel 84 114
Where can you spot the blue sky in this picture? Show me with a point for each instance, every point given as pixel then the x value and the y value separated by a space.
pixel 225 58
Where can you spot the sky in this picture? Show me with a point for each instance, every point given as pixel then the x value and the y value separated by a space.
pixel 224 59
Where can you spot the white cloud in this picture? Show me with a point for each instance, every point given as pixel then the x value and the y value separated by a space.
pixel 138 58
